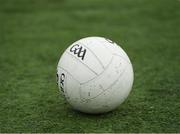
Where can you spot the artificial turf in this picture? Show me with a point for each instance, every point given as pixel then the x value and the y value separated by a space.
pixel 33 35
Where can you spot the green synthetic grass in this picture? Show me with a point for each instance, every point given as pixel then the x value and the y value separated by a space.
pixel 33 35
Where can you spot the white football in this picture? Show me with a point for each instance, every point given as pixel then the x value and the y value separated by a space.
pixel 95 75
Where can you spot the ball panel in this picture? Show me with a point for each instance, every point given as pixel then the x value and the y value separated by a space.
pixel 89 60
pixel 121 89
pixel 102 82
pixel 113 96
pixel 73 91
pixel 98 49
pixel 78 70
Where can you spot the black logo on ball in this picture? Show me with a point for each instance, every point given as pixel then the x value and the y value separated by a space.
pixel 110 41
pixel 78 50
pixel 62 78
